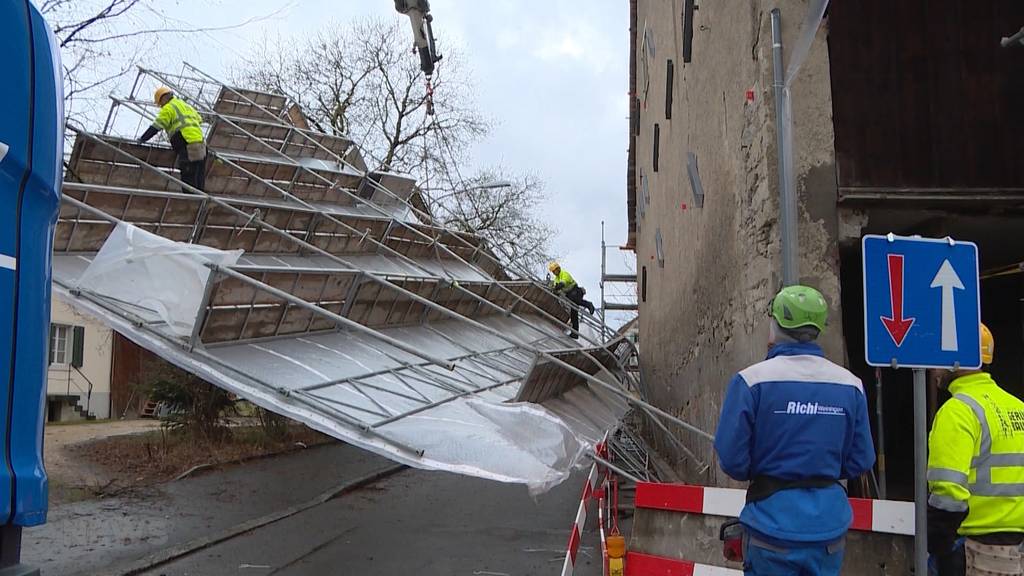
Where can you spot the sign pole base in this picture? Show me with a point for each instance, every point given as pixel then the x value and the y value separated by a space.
pixel 920 473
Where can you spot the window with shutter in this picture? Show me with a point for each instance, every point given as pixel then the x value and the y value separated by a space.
pixel 60 335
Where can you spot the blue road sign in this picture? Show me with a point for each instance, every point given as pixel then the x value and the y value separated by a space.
pixel 922 305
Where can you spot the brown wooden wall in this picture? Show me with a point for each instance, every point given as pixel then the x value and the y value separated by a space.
pixel 923 94
pixel 125 373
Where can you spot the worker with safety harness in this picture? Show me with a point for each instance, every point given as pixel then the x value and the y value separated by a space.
pixel 976 475
pixel 184 129
pixel 793 426
pixel 563 284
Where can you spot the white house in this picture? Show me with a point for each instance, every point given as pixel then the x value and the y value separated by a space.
pixel 79 376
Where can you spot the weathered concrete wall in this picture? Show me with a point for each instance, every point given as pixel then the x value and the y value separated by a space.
pixel 705 316
pixel 706 312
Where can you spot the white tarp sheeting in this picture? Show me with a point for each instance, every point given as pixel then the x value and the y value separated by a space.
pixel 154 275
pixel 350 384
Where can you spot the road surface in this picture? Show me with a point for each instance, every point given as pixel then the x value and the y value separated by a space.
pixel 416 522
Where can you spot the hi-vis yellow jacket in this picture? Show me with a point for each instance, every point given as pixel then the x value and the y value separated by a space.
pixel 976 456
pixel 563 282
pixel 177 116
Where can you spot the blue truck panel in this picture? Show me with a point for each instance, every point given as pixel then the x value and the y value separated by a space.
pixel 15 43
pixel 30 178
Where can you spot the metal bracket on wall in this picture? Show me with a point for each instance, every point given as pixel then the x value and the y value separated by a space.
pixel 659 248
pixel 645 196
pixel 695 184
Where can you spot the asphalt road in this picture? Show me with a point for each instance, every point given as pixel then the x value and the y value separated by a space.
pixel 100 536
pixel 415 522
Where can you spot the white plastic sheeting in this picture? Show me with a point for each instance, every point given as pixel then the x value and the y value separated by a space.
pixel 153 275
pixel 351 385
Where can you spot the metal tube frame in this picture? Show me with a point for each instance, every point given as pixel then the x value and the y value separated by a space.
pixel 444 311
pixel 380 245
pixel 372 183
pixel 433 240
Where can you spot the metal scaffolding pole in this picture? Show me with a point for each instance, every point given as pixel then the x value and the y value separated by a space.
pixel 454 284
pixel 425 302
pixel 433 240
pixel 375 185
pixel 361 427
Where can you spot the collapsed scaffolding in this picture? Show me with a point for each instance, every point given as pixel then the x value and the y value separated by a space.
pixel 399 335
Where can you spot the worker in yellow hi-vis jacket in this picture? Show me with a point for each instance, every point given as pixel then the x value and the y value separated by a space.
pixel 565 285
pixel 184 129
pixel 976 475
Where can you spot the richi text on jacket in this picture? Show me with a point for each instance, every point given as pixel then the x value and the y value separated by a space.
pixel 796 416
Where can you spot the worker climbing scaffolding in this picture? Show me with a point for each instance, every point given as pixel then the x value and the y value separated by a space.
pixel 565 285
pixel 184 130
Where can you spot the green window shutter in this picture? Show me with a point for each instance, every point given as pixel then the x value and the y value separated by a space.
pixel 78 347
pixel 53 330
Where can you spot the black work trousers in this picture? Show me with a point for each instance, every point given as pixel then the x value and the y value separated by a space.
pixel 576 297
pixel 192 173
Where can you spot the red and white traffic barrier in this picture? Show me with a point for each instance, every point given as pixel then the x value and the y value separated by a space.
pixel 638 564
pixel 589 488
pixel 884 516
pixel 604 542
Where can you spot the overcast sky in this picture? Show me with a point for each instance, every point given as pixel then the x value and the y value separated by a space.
pixel 552 75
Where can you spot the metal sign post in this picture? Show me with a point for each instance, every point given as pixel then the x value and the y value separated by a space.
pixel 922 309
pixel 920 473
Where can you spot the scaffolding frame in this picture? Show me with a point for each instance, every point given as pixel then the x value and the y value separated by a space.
pixel 255 221
pixel 210 110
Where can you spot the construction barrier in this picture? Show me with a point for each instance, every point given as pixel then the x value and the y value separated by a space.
pixel 646 565
pixel 883 516
pixel 590 487
pixel 879 516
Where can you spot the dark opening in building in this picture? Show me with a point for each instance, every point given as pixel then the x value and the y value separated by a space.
pixel 926 143
pixel 670 72
pixel 657 145
pixel 643 284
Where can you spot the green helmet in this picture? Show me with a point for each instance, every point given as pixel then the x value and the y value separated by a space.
pixel 798 306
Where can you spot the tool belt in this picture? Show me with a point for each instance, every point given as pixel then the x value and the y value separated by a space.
pixel 761 487
pixel 196 151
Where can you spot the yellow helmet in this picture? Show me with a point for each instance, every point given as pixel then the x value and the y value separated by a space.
pixel 552 266
pixel 988 345
pixel 160 93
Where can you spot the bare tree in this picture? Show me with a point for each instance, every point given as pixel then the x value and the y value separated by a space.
pixel 502 208
pixel 362 80
pixel 101 41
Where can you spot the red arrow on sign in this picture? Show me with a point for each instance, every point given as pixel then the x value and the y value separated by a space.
pixel 897 325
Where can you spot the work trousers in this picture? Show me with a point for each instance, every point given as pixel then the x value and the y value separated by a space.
pixel 192 173
pixel 576 297
pixel 764 559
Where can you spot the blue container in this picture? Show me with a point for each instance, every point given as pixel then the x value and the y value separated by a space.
pixel 31 129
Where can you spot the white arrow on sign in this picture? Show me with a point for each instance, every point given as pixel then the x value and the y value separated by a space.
pixel 947 279
pixel 8 262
